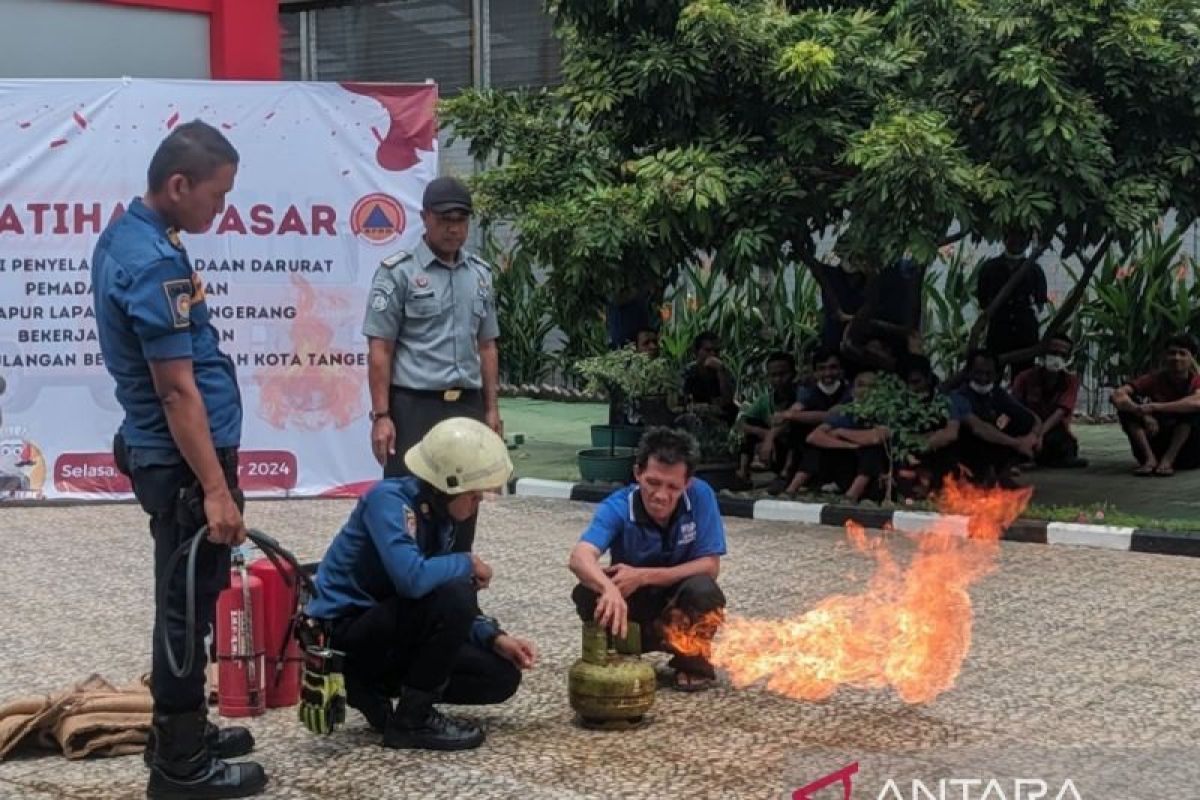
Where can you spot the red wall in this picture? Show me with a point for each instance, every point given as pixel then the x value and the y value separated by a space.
pixel 243 34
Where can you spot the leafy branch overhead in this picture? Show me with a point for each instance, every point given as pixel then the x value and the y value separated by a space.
pixel 736 127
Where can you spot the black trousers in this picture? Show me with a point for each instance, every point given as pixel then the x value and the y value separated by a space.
pixel 424 643
pixel 751 441
pixel 413 413
pixel 651 607
pixel 795 439
pixel 1189 454
pixel 988 461
pixel 1059 446
pixel 842 466
pixel 171 495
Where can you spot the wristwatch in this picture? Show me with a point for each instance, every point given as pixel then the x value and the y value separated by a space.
pixel 375 416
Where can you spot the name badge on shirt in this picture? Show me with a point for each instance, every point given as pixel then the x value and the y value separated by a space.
pixel 687 533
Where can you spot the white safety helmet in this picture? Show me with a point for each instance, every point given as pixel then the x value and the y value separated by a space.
pixel 460 455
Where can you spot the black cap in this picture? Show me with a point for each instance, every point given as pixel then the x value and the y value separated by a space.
pixel 446 194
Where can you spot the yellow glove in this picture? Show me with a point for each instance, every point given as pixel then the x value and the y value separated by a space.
pixel 323 692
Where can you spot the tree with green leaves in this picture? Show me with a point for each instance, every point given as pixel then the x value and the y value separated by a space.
pixel 751 130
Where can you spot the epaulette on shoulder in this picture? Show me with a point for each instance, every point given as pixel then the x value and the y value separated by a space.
pixel 396 258
pixel 479 262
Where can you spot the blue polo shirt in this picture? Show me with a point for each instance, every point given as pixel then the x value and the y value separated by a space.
pixel 622 525
pixel 395 544
pixel 150 306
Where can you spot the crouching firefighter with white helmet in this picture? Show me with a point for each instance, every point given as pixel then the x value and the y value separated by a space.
pixel 394 598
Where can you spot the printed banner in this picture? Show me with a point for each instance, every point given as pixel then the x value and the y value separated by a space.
pixel 329 183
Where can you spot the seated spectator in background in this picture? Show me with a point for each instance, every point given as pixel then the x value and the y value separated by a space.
pixel 997 433
pixel 811 408
pixel 925 471
pixel 1160 412
pixel 844 451
pixel 1050 391
pixel 759 436
pixel 707 381
pixel 647 342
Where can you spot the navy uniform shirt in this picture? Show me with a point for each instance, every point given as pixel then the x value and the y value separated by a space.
pixel 394 544
pixel 811 398
pixel 437 314
pixel 990 407
pixel 150 306
pixel 621 525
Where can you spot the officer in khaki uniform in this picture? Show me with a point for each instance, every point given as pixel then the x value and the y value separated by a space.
pixel 431 327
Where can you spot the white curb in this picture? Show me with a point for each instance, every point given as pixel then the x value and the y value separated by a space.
pixel 1109 536
pixel 788 511
pixel 922 521
pixel 539 487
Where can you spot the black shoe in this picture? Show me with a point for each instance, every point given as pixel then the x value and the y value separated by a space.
pixel 417 725
pixel 185 769
pixel 232 742
pixel 368 701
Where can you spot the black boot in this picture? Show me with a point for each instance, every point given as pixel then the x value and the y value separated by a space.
pixel 230 742
pixel 185 769
pixel 369 701
pixel 416 724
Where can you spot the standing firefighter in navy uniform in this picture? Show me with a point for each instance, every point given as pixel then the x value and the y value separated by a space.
pixel 431 324
pixel 179 439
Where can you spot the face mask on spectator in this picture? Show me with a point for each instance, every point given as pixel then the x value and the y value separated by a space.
pixel 830 387
pixel 1054 363
pixel 981 388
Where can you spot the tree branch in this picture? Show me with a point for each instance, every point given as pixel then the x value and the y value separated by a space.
pixel 1076 296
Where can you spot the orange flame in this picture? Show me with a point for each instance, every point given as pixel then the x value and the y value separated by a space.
pixel 910 629
pixel 689 637
pixel 308 395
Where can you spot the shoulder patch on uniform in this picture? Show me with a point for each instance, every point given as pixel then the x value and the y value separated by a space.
pixel 395 258
pixel 410 521
pixel 179 298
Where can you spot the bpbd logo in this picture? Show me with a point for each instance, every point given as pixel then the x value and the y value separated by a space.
pixel 378 218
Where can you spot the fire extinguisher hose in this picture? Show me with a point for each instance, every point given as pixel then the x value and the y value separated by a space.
pixel 271 548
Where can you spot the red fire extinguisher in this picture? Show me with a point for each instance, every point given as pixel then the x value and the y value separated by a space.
pixel 240 644
pixel 284 662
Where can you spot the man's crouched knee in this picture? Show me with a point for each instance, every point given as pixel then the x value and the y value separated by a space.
pixel 453 604
pixel 698 594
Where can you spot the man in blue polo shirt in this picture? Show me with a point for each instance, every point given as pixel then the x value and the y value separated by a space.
pixel 666 539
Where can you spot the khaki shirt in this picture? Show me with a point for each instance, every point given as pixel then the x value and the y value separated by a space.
pixel 436 314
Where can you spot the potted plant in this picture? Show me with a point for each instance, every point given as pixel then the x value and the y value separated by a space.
pixel 718 442
pixel 908 417
pixel 648 385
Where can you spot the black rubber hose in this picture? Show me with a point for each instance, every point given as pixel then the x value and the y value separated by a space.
pixel 276 552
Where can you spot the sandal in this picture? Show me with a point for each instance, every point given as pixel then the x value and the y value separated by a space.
pixel 691 682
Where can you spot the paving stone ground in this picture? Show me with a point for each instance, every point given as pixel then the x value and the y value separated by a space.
pixel 1082 667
